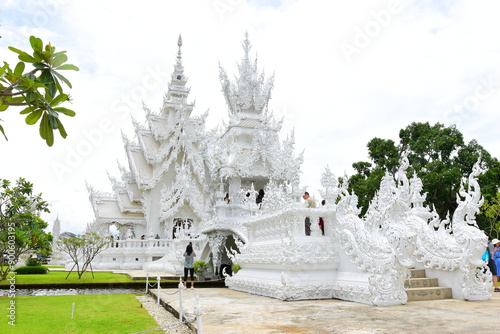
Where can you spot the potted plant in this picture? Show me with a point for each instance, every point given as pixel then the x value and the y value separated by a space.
pixel 236 268
pixel 201 270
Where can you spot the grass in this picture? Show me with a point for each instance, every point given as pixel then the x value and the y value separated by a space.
pixel 59 277
pixel 93 314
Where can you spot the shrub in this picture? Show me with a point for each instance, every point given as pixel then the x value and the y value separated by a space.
pixel 31 270
pixel 32 262
pixel 200 267
pixel 236 268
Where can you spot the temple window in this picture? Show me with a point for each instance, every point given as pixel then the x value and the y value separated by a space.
pixel 181 223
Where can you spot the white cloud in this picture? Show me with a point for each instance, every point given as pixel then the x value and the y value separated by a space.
pixel 427 58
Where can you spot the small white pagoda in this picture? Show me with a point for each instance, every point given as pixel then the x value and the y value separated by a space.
pixel 234 193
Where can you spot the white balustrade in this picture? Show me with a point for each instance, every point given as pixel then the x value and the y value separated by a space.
pixel 138 243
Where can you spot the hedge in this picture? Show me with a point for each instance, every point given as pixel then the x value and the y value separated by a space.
pixel 33 262
pixel 31 270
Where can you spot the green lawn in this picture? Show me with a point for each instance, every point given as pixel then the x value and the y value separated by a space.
pixel 93 314
pixel 59 277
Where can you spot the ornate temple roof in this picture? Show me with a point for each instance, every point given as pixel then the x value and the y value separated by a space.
pixel 173 157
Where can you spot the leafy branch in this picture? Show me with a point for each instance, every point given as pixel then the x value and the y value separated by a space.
pixel 40 89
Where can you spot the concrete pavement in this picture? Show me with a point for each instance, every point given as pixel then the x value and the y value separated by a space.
pixel 231 312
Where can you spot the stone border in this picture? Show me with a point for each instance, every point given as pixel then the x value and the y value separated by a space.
pixel 173 311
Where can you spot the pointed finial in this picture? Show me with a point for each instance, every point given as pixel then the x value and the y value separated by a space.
pixel 179 54
pixel 246 46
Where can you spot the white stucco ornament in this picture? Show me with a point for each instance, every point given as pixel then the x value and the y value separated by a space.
pixel 234 193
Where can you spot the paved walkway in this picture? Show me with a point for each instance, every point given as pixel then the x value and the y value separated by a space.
pixel 231 312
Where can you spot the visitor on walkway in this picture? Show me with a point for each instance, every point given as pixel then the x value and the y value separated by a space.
pixel 259 198
pixel 496 256
pixel 321 221
pixel 310 203
pixel 491 263
pixel 189 256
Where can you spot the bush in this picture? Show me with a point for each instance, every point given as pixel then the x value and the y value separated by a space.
pixel 31 270
pixel 200 267
pixel 236 268
pixel 32 262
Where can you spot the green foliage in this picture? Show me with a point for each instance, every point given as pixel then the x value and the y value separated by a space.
pixel 83 249
pixel 60 277
pixel 439 157
pixel 38 89
pixel 33 262
pixel 31 270
pixel 491 210
pixel 384 153
pixel 21 229
pixel 236 268
pixel 200 267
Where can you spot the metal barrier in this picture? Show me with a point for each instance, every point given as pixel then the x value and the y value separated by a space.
pixel 183 318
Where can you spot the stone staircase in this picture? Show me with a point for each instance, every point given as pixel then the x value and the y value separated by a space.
pixel 422 288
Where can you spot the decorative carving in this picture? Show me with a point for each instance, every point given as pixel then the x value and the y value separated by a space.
pixel 176 168
pixel 457 245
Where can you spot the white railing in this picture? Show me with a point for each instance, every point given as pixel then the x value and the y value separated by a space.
pixel 137 243
pixel 291 222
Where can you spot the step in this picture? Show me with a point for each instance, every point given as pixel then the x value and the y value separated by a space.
pixel 429 293
pixel 417 273
pixel 421 283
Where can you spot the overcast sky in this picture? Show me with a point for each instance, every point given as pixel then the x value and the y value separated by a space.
pixel 345 72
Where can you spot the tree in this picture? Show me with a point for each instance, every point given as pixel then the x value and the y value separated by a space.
pixel 82 250
pixel 385 156
pixel 491 210
pixel 21 228
pixel 440 158
pixel 38 89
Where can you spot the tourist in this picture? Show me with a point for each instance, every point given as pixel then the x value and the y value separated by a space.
pixel 226 199
pixel 189 256
pixel 259 198
pixel 491 263
pixel 157 237
pixel 310 203
pixel 496 256
pixel 321 221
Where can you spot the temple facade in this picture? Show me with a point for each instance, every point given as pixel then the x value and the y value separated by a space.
pixel 184 183
pixel 234 193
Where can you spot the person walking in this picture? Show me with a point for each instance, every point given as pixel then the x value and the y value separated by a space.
pixel 310 203
pixel 496 257
pixel 321 222
pixel 189 256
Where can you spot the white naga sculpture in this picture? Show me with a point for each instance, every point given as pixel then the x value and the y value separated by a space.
pixel 365 260
pixel 233 192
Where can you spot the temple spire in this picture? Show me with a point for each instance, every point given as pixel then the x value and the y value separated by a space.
pixel 246 48
pixel 56 228
pixel 178 65
pixel 251 92
pixel 177 89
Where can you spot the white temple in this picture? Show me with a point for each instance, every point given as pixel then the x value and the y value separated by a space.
pixel 174 191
